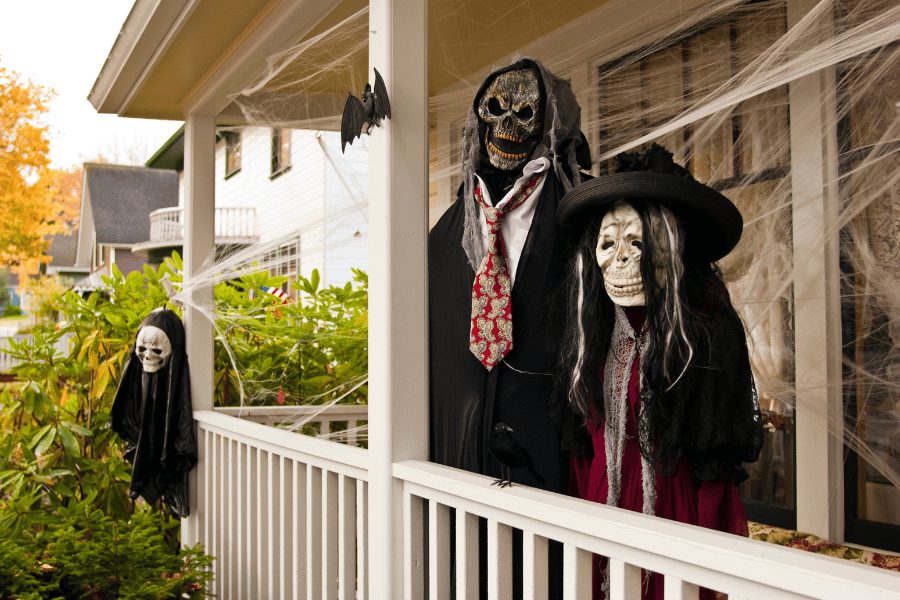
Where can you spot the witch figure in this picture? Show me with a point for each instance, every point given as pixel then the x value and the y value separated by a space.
pixel 152 413
pixel 656 365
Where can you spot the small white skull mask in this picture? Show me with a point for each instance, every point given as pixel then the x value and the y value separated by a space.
pixel 153 348
pixel 619 247
pixel 511 108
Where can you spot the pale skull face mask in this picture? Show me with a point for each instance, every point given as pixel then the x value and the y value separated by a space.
pixel 619 246
pixel 511 107
pixel 153 348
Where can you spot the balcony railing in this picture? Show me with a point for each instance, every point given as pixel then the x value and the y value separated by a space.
pixel 286 516
pixel 167 224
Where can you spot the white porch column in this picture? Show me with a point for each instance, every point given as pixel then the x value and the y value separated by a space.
pixel 199 214
pixel 398 217
pixel 817 312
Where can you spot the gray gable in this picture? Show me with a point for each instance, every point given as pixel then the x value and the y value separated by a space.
pixel 62 249
pixel 122 199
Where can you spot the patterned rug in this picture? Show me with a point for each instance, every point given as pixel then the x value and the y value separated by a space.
pixel 811 543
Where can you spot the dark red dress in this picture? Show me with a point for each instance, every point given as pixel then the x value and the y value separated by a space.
pixel 681 497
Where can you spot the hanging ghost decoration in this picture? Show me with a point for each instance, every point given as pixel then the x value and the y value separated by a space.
pixel 152 413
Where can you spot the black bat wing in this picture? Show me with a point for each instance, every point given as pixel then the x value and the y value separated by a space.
pixel 382 103
pixel 352 121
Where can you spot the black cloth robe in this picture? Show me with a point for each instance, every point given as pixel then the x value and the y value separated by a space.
pixel 466 399
pixel 152 413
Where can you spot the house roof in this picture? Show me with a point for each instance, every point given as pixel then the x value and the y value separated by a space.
pixel 122 199
pixel 171 154
pixel 62 249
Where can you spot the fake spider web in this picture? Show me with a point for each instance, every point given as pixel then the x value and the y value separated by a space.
pixel 752 97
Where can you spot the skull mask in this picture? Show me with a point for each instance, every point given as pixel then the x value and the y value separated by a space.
pixel 619 247
pixel 153 348
pixel 511 108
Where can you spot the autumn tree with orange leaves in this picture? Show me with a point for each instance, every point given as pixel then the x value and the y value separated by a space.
pixel 35 201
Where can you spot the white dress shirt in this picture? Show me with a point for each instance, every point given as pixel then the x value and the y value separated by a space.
pixel 516 224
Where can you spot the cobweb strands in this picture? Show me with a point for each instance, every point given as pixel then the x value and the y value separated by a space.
pixel 792 115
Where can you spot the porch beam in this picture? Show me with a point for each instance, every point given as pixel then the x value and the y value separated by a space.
pixel 398 217
pixel 199 211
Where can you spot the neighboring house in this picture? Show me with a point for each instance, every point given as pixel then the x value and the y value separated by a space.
pixel 12 288
pixel 116 202
pixel 291 191
pixel 283 513
pixel 62 251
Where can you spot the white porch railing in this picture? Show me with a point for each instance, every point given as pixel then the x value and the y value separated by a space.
pixel 7 362
pixel 285 516
pixel 167 224
pixel 321 417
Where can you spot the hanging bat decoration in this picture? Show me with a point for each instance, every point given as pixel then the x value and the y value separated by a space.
pixel 360 115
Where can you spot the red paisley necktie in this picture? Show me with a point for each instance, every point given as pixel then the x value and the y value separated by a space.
pixel 491 334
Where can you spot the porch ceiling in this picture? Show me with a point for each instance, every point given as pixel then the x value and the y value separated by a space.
pixel 178 55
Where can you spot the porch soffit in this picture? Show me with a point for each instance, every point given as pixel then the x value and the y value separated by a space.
pixel 212 35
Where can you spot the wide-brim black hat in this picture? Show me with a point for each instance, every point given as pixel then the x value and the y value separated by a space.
pixel 712 223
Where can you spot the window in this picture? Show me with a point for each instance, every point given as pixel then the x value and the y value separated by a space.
pixel 736 156
pixel 870 246
pixel 284 261
pixel 232 152
pixel 281 151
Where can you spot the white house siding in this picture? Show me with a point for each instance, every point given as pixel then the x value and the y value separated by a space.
pixel 321 198
pixel 347 206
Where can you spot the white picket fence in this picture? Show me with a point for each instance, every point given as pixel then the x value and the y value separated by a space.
pixel 7 362
pixel 286 517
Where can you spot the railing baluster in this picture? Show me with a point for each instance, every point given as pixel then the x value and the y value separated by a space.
pixel 243 483
pixel 206 492
pixel 286 549
pixel 324 428
pixel 624 581
pixel 499 560
pixel 274 562
pixel 576 573
pixel 351 432
pixel 677 589
pixel 262 526
pixel 252 528
pixel 234 564
pixel 362 540
pixel 439 550
pixel 466 555
pixel 346 538
pixel 300 495
pixel 534 566
pixel 413 547
pixel 314 533
pixel 329 535
pixel 217 512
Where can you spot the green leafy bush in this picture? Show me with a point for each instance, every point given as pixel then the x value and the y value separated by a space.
pixel 67 526
pixel 307 352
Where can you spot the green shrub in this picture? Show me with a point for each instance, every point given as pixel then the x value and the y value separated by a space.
pixel 67 526
pixel 308 352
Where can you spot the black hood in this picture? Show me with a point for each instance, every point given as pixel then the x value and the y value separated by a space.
pixel 562 143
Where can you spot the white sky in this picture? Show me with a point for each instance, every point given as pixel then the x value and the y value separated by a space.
pixel 62 44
